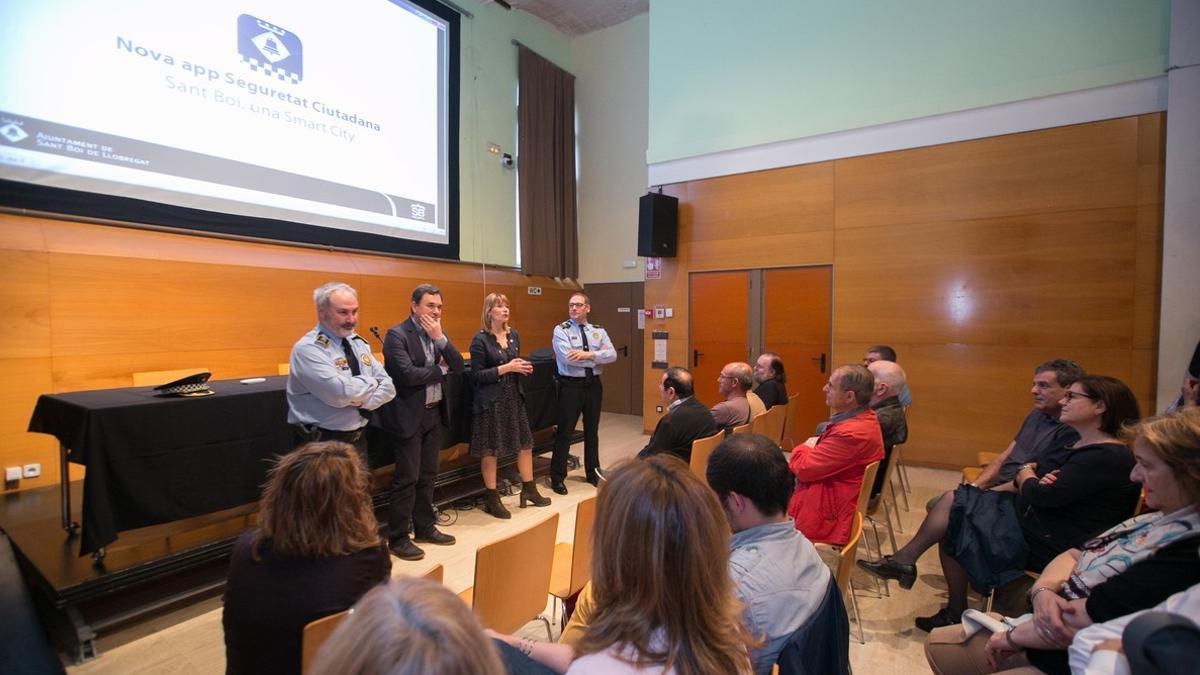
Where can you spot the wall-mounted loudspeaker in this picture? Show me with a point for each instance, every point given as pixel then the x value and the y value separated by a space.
pixel 658 225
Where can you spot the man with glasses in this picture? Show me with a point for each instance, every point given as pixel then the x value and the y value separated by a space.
pixel 580 351
pixel 740 405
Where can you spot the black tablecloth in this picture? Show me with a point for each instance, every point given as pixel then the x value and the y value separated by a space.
pixel 152 459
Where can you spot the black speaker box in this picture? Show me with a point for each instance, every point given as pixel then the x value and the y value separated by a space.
pixel 658 225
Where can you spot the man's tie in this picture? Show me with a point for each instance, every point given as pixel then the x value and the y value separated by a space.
pixel 583 334
pixel 352 361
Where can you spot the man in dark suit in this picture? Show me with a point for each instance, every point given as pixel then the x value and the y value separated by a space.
pixel 417 355
pixel 686 420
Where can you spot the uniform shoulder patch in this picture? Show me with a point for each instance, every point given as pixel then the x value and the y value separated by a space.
pixel 596 325
pixel 360 338
pixel 566 325
pixel 322 340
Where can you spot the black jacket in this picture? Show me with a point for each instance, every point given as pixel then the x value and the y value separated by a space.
pixel 677 429
pixel 486 358
pixel 404 359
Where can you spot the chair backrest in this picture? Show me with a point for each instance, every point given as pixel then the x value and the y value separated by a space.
pixel 701 449
pixel 581 546
pixel 153 378
pixel 435 573
pixel 789 426
pixel 1141 502
pixel 315 634
pixel 847 555
pixel 284 369
pixel 771 423
pixel 864 491
pixel 512 576
pixel 741 429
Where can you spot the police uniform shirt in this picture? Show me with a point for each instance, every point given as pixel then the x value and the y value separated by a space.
pixel 567 337
pixel 323 391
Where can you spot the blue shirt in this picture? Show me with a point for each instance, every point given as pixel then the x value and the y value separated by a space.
pixel 323 391
pixel 567 337
pixel 780 579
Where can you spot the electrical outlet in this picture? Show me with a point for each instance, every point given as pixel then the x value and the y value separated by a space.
pixel 658 408
pixel 12 474
pixel 31 470
pixel 534 290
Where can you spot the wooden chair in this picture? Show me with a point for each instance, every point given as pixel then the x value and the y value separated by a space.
pixel 435 573
pixel 153 378
pixel 512 578
pixel 315 634
pixel 845 569
pixel 887 509
pixel 701 449
pixel 789 426
pixel 741 428
pixel 771 423
pixel 284 369
pixel 571 568
pixel 864 500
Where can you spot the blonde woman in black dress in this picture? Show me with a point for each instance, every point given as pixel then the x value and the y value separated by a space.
pixel 500 427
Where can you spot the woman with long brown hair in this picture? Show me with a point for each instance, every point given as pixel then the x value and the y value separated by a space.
pixel 315 552
pixel 500 427
pixel 663 598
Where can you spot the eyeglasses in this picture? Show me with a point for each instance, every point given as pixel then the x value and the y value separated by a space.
pixel 576 304
pixel 1072 395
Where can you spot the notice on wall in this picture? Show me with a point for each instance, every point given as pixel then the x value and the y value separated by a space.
pixel 660 349
pixel 653 268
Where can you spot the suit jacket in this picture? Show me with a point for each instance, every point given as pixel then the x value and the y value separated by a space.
pixel 677 429
pixel 486 358
pixel 829 475
pixel 404 359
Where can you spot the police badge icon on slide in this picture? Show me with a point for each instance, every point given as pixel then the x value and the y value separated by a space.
pixel 269 49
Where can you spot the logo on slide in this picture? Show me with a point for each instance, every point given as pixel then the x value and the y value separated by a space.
pixel 12 131
pixel 269 49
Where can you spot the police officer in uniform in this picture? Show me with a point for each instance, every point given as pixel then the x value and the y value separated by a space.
pixel 334 381
pixel 580 349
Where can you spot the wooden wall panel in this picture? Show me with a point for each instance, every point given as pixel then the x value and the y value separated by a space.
pixel 91 304
pixel 1019 280
pixel 1085 166
pixel 976 260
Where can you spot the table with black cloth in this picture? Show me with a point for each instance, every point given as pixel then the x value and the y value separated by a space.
pixel 153 459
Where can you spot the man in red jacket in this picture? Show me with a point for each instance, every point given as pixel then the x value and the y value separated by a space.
pixel 829 468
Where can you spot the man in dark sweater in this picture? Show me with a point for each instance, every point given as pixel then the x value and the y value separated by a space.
pixel 885 401
pixel 686 420
pixel 770 380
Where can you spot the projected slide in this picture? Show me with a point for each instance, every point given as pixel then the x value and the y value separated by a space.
pixel 325 114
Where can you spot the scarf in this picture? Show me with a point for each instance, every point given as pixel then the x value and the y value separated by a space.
pixel 1127 544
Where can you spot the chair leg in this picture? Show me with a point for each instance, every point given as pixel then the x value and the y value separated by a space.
pixel 879 589
pixel 544 619
pixel 896 506
pixel 888 509
pixel 857 617
pixel 902 471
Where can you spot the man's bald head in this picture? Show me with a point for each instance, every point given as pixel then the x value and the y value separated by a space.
pixel 889 380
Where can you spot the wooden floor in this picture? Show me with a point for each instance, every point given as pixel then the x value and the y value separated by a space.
pixel 189 639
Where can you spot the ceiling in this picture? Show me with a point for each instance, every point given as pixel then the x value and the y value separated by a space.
pixel 577 17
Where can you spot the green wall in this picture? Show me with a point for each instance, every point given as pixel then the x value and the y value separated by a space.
pixel 733 75
pixel 488 114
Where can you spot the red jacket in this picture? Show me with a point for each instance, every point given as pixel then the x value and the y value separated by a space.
pixel 829 476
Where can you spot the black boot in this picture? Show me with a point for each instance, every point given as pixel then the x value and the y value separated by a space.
pixel 493 505
pixel 529 493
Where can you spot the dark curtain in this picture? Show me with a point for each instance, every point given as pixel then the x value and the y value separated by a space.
pixel 546 152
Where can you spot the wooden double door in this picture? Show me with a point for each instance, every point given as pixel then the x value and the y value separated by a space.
pixel 737 315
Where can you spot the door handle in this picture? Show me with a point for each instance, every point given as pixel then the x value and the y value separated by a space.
pixel 624 351
pixel 821 361
pixel 696 354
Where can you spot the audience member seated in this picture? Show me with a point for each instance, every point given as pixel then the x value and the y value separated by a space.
pixel 411 625
pixel 777 574
pixel 829 468
pixel 886 353
pixel 1189 391
pixel 686 419
pixel 1101 648
pixel 1041 439
pixel 1130 567
pixel 770 382
pixel 1055 510
pixel 734 384
pixel 661 597
pixel 316 551
pixel 885 401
